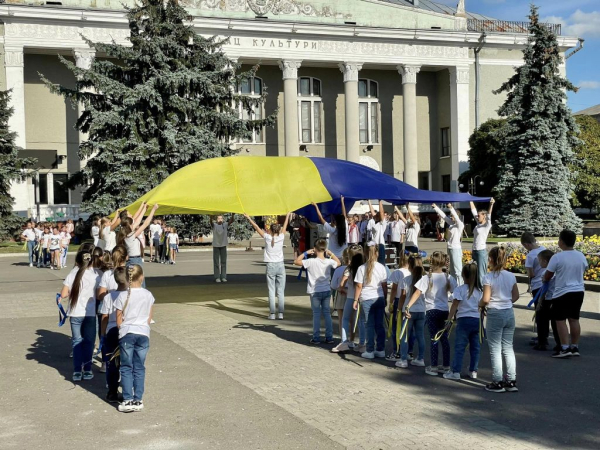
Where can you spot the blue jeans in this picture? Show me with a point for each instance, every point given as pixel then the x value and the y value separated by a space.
pixel 30 252
pixel 319 302
pixel 140 262
pixel 348 323
pixel 456 264
pixel 467 332
pixel 381 256
pixel 416 327
pixel 481 258
pixel 63 256
pixel 374 313
pixel 500 333
pixel 134 348
pixel 83 332
pixel 276 284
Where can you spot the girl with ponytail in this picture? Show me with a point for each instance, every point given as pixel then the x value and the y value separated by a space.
pixel 80 289
pixel 273 256
pixel 337 229
pixel 499 293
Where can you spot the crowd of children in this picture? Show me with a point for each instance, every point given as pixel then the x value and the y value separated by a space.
pixel 48 243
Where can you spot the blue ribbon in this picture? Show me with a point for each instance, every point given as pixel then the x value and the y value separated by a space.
pixel 302 267
pixel 62 314
pixel 539 294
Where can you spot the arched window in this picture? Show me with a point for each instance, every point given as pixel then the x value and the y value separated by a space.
pixel 251 87
pixel 368 111
pixel 309 110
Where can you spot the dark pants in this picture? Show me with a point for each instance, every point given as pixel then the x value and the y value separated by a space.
pixel 111 344
pixel 381 257
pixel 436 319
pixel 543 319
pixel 395 348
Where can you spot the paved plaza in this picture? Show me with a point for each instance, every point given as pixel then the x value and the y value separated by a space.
pixel 219 375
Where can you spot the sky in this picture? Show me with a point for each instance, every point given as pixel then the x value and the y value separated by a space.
pixel 579 18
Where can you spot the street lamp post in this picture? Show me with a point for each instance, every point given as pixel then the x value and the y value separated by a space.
pixel 472 188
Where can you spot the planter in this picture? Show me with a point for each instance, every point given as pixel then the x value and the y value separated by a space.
pixel 591 229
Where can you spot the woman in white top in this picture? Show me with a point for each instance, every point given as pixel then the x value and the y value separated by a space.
pixel 465 306
pixel 108 237
pixel 80 288
pixel 499 293
pixel 480 235
pixel 371 292
pixel 337 230
pixel 273 256
pixel 413 229
pixel 397 229
pixel 455 228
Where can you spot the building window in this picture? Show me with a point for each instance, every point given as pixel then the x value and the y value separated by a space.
pixel 309 110
pixel 61 192
pixel 424 180
pixel 445 142
pixel 43 189
pixel 446 183
pixel 251 87
pixel 368 111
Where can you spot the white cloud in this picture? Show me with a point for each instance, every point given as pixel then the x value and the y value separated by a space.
pixel 589 84
pixel 580 24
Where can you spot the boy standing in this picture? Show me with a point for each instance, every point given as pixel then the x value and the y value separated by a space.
pixel 534 272
pixel 220 230
pixel 543 314
pixel 568 268
pixel 319 269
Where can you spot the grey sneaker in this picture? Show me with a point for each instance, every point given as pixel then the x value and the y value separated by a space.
pixel 77 376
pixel 138 405
pixel 218 280
pixel 403 364
pixel 418 362
pixel 126 406
pixel 88 375
pixel 430 370
pixel 280 316
pixel 452 376
pixel 271 316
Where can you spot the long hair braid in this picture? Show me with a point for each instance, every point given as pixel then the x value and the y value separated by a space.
pixel 129 281
pixel 83 260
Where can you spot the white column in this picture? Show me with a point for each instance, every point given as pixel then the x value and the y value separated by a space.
pixel 409 111
pixel 350 71
pixel 460 121
pixel 290 105
pixel 83 60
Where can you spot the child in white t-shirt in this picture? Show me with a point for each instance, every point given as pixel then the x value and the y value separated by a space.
pixel 46 246
pixel 318 271
pixel 397 280
pixel 65 239
pixel 55 247
pixel 465 306
pixel 543 311
pixel 134 313
pixel 173 244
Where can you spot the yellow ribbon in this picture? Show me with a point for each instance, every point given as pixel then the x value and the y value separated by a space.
pixel 389 325
pixel 403 327
pixel 447 328
pixel 357 314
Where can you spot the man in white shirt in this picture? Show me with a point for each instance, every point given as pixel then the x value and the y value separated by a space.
pixel 155 232
pixel 28 235
pixel 480 235
pixel 220 230
pixel 378 227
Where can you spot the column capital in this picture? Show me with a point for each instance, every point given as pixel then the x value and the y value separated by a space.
pixel 290 68
pixel 84 57
pixel 409 73
pixel 350 70
pixel 13 57
pixel 459 75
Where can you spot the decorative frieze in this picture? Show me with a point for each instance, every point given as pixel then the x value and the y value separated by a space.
pixel 13 57
pixel 265 7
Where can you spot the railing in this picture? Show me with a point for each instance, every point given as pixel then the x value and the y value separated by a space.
pixel 506 26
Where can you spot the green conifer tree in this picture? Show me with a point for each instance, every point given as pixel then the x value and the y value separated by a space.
pixel 153 107
pixel 535 184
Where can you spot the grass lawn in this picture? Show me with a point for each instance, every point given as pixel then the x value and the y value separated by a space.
pixel 12 247
pixel 512 239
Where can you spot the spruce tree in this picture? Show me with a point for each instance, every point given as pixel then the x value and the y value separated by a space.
pixel 153 107
pixel 535 184
pixel 11 170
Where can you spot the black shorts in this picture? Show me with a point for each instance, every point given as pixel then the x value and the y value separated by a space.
pixel 567 306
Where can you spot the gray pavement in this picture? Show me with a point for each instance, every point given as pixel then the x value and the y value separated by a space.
pixel 219 375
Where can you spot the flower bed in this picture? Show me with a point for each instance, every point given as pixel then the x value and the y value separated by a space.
pixel 515 262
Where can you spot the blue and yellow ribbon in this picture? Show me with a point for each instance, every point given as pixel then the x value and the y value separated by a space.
pixel 446 329
pixel 62 314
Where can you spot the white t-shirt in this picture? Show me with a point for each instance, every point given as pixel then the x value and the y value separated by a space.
pixel 86 302
pixel 502 285
pixel 397 278
pixel 378 232
pixel 29 234
pixel 319 274
pixel 173 238
pixel 55 242
pixel 273 252
pixel 480 233
pixel 407 286
pixel 397 229
pixel 353 233
pixel 134 246
pixel 109 238
pixel 373 289
pixel 568 268
pixel 531 262
pixel 455 229
pixel 137 313
pixel 46 240
pixel 65 238
pixel 468 306
pixel 438 295
pixel 220 234
pixel 38 233
pixel 337 277
pixel 96 234
pixel 108 281
pixel 108 308
pixel 155 231
pixel 333 246
pixel 412 234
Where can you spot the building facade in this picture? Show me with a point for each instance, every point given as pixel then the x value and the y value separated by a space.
pixel 396 84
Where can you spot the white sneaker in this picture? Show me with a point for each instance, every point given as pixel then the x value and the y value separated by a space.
pixel 368 355
pixel 417 362
pixel 403 364
pixel 452 375
pixel 473 375
pixel 126 406
pixel 341 347
pixel 224 280
pixel 334 313
pixel 280 316
pixel 152 321
pixel 380 354
pixel 138 405
pixel 77 376
pixel 429 370
pixel 271 316
pixel 30 265
pixel 218 280
pixel 360 348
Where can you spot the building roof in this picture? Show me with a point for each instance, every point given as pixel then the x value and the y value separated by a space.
pixel 592 111
pixel 428 5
